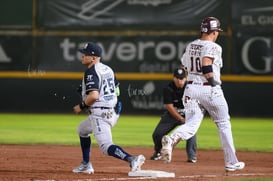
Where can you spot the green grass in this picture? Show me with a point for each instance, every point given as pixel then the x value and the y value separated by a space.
pixel 250 134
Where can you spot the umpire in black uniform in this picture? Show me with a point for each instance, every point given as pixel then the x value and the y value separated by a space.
pixel 174 115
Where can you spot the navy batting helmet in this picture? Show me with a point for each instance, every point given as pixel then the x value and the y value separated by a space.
pixel 210 24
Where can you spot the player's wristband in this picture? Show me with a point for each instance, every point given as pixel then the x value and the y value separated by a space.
pixel 83 105
pixel 207 69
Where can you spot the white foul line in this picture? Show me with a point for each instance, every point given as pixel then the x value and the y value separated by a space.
pixel 182 177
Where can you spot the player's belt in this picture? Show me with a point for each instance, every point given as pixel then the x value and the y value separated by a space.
pixel 198 83
pixel 101 108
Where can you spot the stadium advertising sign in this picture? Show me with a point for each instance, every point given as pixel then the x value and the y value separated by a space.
pixel 146 54
pixel 15 52
pixel 256 54
pixel 252 30
pixel 142 96
pixel 124 14
pixel 253 15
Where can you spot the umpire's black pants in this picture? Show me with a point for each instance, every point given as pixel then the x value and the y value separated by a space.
pixel 166 124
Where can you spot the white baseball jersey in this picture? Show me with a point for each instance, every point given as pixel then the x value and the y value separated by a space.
pixel 200 95
pixel 194 52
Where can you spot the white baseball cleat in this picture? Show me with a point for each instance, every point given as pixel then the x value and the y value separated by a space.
pixel 137 162
pixel 84 168
pixel 236 166
pixel 167 147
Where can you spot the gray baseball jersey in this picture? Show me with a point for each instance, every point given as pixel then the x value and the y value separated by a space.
pixel 100 77
pixel 102 117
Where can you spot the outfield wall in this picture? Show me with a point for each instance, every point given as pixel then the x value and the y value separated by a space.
pixel 51 95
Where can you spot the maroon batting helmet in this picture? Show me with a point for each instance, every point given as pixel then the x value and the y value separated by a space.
pixel 210 24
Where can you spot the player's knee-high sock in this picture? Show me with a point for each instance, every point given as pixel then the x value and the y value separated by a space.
pixel 191 147
pixel 85 146
pixel 118 152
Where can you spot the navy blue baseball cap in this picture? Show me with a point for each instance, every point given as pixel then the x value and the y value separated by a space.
pixel 91 49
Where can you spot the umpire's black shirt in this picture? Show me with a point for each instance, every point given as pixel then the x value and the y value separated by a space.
pixel 173 95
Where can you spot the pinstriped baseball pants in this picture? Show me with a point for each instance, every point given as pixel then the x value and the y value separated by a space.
pixel 198 97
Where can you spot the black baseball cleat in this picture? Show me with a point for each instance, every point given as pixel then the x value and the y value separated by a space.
pixel 156 156
pixel 192 160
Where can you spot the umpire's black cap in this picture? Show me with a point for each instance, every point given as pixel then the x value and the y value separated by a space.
pixel 179 73
pixel 91 49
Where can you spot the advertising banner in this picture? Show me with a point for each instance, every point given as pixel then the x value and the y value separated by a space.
pixel 252 23
pixel 16 53
pixel 138 97
pixel 254 15
pixel 142 96
pixel 144 54
pixel 128 14
pixel 253 53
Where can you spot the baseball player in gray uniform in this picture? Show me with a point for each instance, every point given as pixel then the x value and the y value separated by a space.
pixel 203 59
pixel 99 97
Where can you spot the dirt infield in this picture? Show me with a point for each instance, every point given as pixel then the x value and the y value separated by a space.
pixel 55 162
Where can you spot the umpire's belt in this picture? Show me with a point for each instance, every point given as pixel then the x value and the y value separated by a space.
pixel 198 83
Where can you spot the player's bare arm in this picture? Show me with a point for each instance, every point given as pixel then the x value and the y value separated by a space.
pixel 90 99
pixel 173 111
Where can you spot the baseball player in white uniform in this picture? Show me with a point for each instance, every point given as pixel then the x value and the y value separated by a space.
pixel 99 97
pixel 203 60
